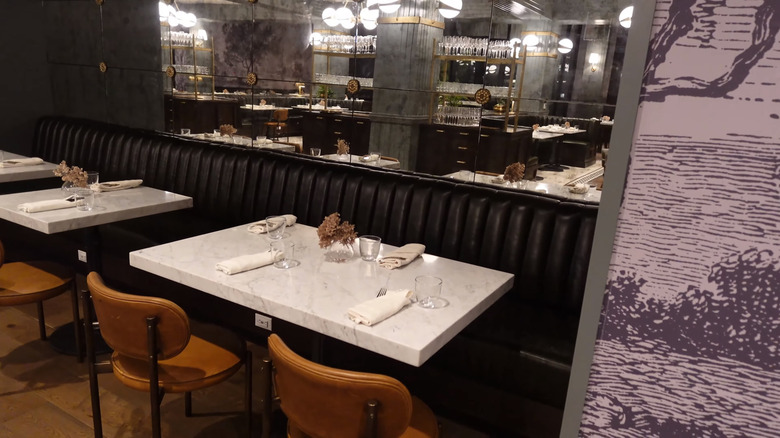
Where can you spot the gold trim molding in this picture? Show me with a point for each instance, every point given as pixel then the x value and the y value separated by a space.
pixel 103 67
pixel 539 33
pixel 412 20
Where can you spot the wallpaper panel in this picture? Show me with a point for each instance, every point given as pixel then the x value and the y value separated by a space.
pixel 689 342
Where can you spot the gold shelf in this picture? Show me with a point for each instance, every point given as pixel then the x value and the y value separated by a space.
pixel 479 59
pixel 199 49
pixel 345 55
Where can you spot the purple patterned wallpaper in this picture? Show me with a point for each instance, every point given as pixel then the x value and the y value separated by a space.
pixel 689 342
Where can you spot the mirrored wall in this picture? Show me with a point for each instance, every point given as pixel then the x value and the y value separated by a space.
pixel 444 87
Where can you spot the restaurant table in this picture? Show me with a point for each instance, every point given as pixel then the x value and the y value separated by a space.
pixel 386 164
pixel 317 293
pixel 24 173
pixel 554 132
pixel 109 207
pixel 592 195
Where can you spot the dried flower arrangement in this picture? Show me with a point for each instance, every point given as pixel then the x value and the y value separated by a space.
pixel 332 230
pixel 567 125
pixel 535 126
pixel 342 147
pixel 227 130
pixel 74 175
pixel 514 172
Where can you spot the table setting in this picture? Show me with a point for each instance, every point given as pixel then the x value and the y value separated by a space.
pixel 370 298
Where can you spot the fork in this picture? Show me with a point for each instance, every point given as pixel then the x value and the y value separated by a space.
pixel 382 292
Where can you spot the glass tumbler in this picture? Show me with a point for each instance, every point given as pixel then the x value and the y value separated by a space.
pixel 369 247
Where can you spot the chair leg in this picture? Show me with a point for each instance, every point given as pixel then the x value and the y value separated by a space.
pixel 248 392
pixel 154 382
pixel 41 320
pixel 188 404
pixel 97 422
pixel 265 382
pixel 78 331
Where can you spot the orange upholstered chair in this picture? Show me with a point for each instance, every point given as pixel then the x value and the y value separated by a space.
pixel 35 282
pixel 158 351
pixel 278 124
pixel 321 401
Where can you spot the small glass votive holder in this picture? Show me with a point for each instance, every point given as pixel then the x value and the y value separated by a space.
pixel 185 131
pixel 275 226
pixel 427 290
pixel 369 247
pixel 85 199
pixel 315 152
pixel 284 254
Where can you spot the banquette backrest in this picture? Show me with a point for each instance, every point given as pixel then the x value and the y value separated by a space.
pixel 544 240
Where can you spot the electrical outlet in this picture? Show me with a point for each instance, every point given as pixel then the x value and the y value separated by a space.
pixel 262 321
pixel 82 256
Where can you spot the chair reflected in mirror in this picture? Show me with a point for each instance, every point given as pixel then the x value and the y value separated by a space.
pixel 277 126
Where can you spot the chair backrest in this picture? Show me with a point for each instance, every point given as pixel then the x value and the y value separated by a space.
pixel 326 402
pixel 280 115
pixel 389 158
pixel 122 319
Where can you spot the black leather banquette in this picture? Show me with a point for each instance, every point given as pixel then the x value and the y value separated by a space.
pixel 508 371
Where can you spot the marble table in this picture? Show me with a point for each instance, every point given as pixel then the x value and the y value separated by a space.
pixel 386 164
pixel 109 207
pixel 592 195
pixel 553 165
pixel 24 173
pixel 317 293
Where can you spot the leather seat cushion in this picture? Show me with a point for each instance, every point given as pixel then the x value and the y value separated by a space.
pixel 423 422
pixel 212 355
pixel 29 282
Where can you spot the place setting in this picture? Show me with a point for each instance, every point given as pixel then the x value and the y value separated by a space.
pixel 281 251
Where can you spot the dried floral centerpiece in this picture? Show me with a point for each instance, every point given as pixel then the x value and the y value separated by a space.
pixel 227 130
pixel 337 237
pixel 342 148
pixel 71 176
pixel 514 172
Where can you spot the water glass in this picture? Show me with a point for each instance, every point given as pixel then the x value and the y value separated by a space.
pixel 427 289
pixel 185 131
pixel 284 254
pixel 275 226
pixel 315 152
pixel 85 199
pixel 369 247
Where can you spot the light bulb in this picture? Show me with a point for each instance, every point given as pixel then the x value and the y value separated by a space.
pixel 625 17
pixel 565 45
pixel 345 18
pixel 531 40
pixel 315 38
pixel 329 17
pixel 202 35
pixel 450 8
pixel 188 19
pixel 389 6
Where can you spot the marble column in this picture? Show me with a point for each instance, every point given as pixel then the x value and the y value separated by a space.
pixel 402 75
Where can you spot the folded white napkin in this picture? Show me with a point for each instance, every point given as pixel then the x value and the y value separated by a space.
pixel 377 309
pixel 21 162
pixel 260 228
pixel 402 256
pixel 246 262
pixel 51 204
pixel 111 186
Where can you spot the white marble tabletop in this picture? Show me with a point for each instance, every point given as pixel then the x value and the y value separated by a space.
pixel 109 207
pixel 558 129
pixel 24 173
pixel 543 135
pixel 361 159
pixel 317 293
pixel 592 195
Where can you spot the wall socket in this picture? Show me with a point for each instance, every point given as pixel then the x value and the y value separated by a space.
pixel 82 256
pixel 262 321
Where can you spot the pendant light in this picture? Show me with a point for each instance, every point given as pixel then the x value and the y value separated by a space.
pixel 450 8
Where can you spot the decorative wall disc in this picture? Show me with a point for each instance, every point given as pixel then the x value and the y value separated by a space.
pixel 482 96
pixel 170 71
pixel 99 2
pixel 252 1
pixel 353 86
pixel 251 79
pixel 103 67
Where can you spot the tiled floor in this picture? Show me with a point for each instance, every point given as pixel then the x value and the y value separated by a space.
pixel 46 394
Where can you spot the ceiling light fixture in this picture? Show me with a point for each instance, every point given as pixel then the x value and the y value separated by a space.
pixel 172 15
pixel 386 6
pixel 345 18
pixel 594 58
pixel 565 45
pixel 450 8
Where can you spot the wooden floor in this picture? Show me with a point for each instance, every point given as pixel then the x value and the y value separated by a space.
pixel 46 394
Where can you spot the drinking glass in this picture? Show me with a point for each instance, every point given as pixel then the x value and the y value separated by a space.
pixel 369 247
pixel 427 289
pixel 275 226
pixel 315 152
pixel 85 199
pixel 185 131
pixel 284 254
pixel 93 177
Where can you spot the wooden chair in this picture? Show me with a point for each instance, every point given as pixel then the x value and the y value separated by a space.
pixel 278 124
pixel 157 350
pixel 35 282
pixel 389 159
pixel 320 401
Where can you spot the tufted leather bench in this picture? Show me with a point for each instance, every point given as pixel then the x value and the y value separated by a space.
pixel 508 371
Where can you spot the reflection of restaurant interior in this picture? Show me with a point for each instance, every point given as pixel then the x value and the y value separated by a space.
pixel 470 136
